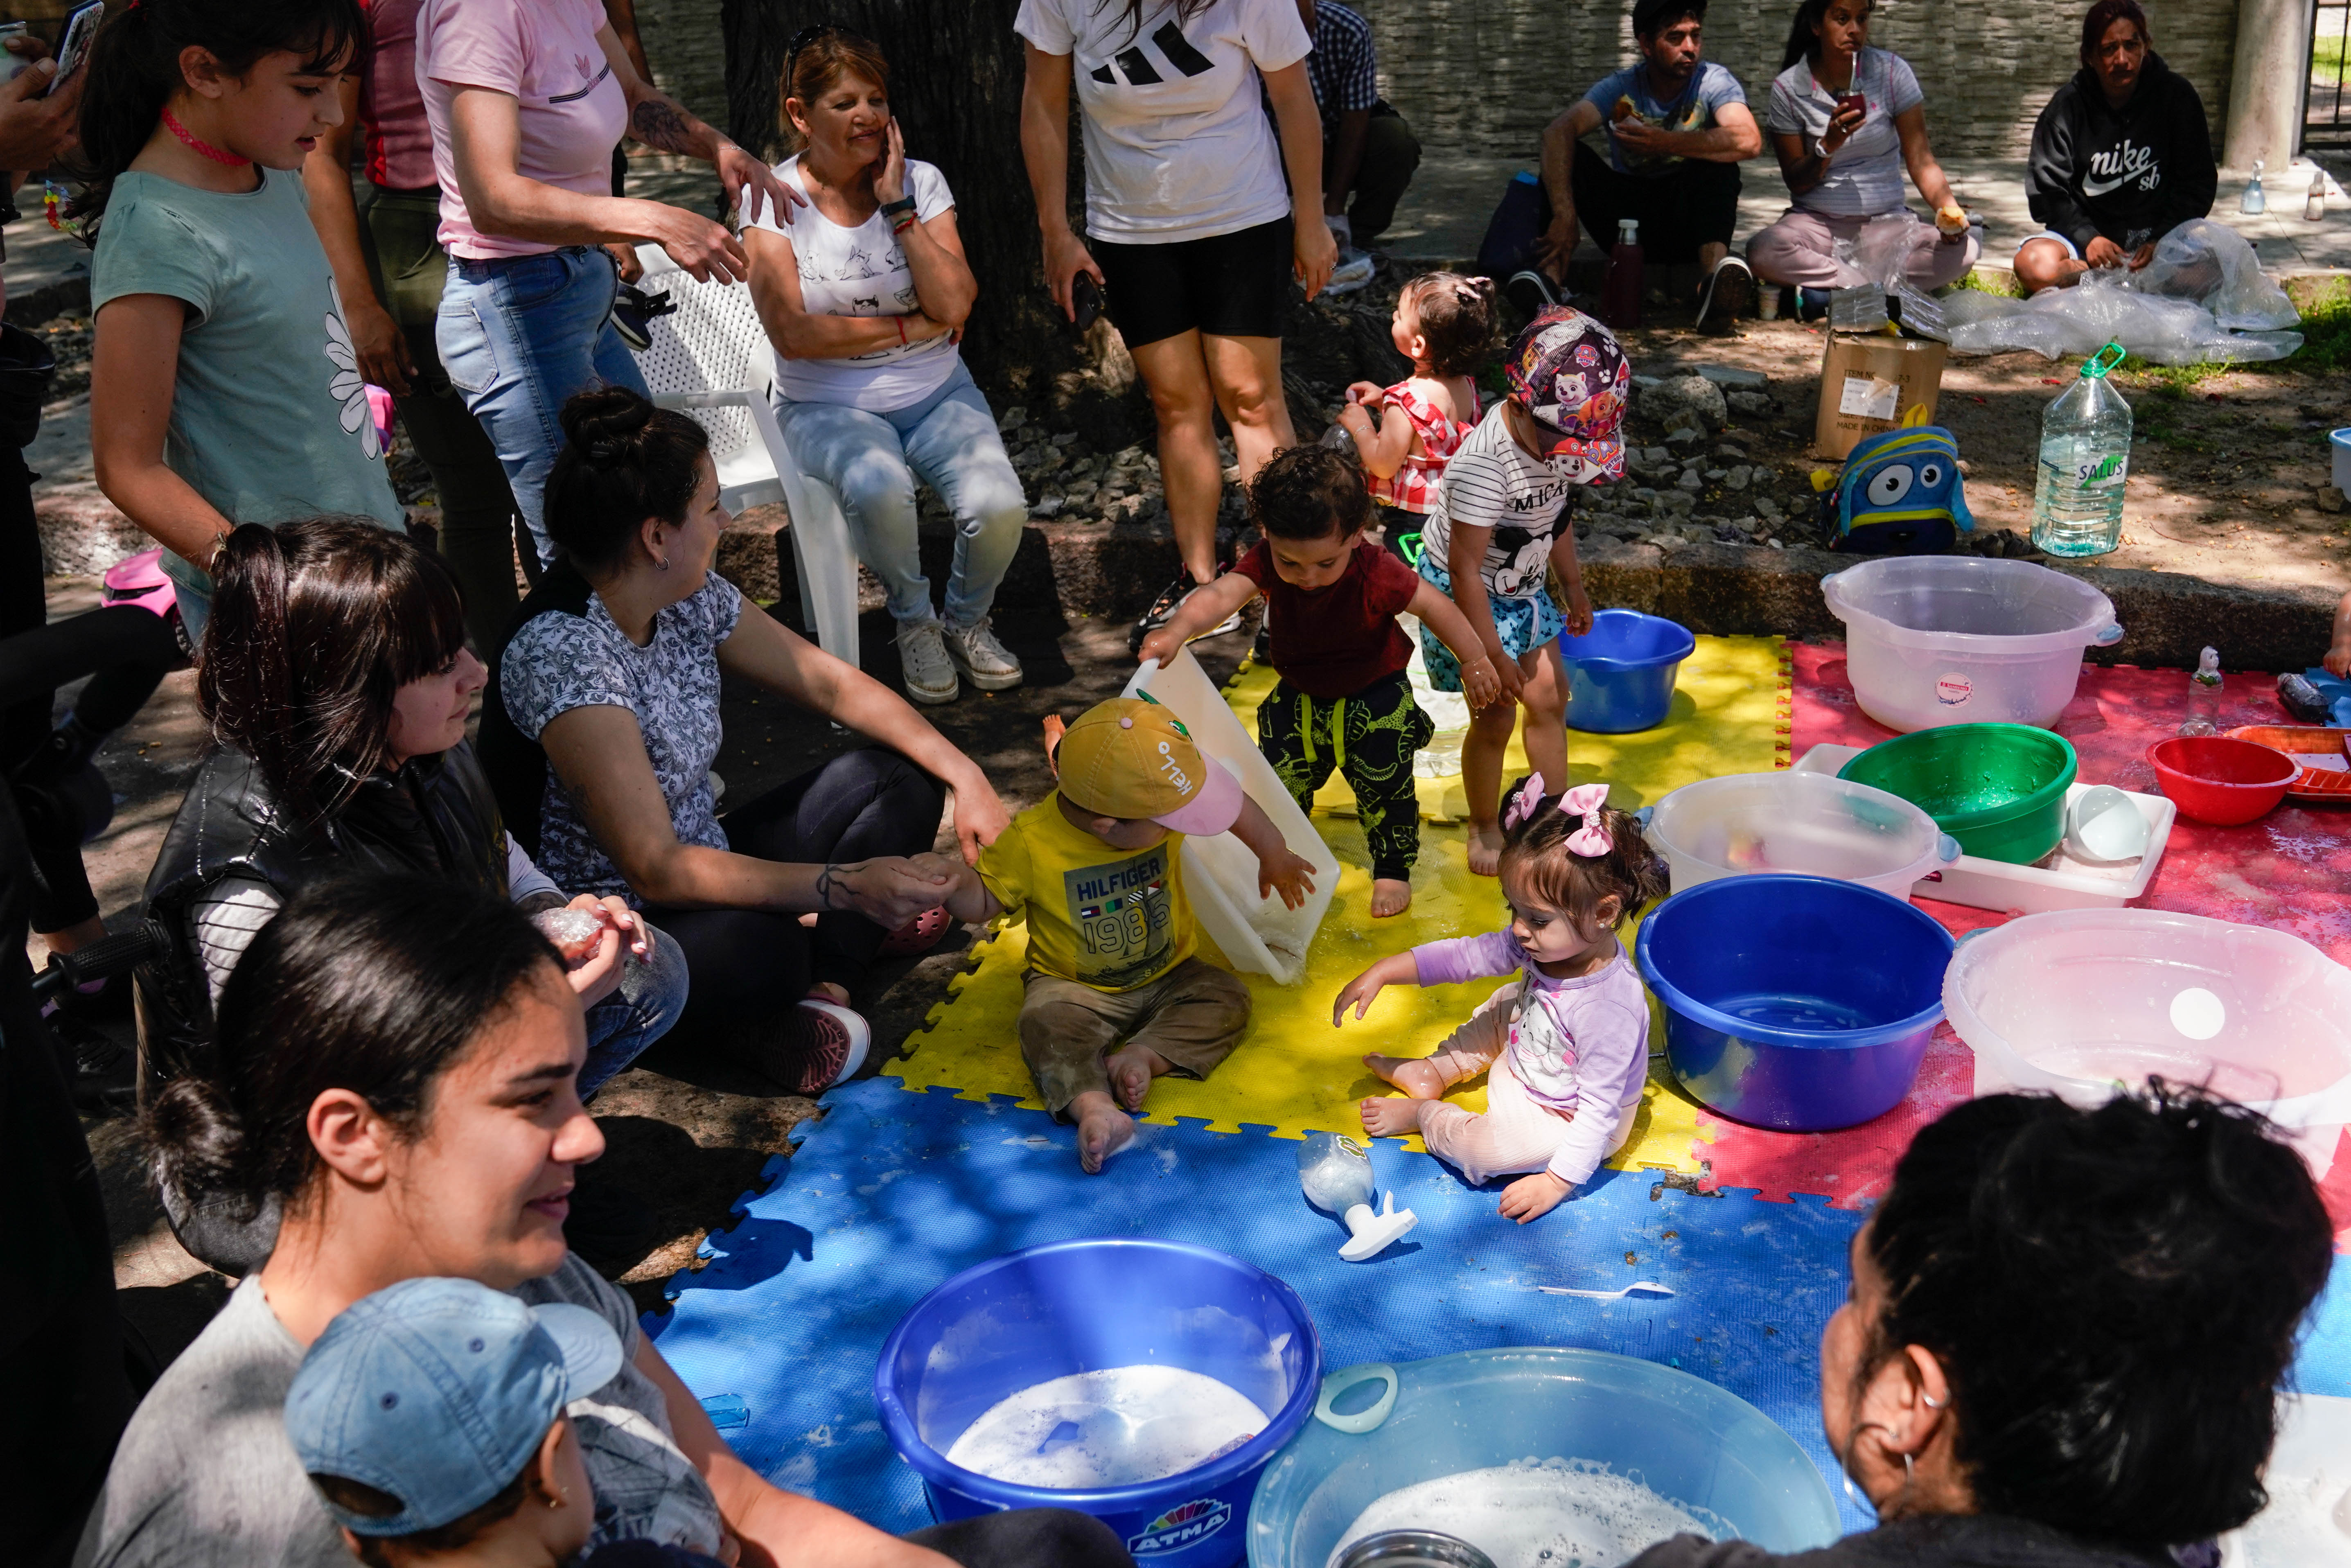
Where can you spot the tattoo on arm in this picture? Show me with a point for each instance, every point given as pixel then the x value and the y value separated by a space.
pixel 835 879
pixel 663 126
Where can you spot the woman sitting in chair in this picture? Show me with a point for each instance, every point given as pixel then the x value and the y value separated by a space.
pixel 864 297
pixel 602 724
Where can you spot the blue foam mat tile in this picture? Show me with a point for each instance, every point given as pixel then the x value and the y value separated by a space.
pixel 893 1193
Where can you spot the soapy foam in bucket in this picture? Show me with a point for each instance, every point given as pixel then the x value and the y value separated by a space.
pixel 1117 1427
pixel 1555 1513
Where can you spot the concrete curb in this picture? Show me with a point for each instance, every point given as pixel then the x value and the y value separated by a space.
pixel 1113 570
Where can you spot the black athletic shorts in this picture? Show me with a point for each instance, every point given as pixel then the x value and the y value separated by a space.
pixel 1232 286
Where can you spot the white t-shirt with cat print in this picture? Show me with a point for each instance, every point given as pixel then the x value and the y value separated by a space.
pixel 1178 144
pixel 862 271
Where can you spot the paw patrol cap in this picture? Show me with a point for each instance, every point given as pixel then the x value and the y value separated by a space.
pixel 1131 757
pixel 1569 371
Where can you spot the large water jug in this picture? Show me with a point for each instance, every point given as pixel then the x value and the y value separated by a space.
pixel 2085 440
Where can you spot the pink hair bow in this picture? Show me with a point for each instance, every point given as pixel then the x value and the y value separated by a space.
pixel 1586 800
pixel 1525 803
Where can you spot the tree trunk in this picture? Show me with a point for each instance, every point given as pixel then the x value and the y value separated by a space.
pixel 954 86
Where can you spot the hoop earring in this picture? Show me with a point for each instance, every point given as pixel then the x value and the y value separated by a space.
pixel 1932 1403
pixel 1909 1469
pixel 662 565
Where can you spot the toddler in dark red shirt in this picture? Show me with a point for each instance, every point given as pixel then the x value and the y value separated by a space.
pixel 1332 599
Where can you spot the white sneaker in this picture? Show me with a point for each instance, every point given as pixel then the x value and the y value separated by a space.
pixel 985 662
pixel 1355 269
pixel 923 655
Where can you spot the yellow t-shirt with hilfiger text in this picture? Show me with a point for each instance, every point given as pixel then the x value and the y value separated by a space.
pixel 1110 918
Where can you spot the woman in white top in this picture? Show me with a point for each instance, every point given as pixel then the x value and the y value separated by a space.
pixel 864 297
pixel 1846 120
pixel 1188 220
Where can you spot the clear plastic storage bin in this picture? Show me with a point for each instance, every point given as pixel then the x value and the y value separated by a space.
pixel 1809 823
pixel 1937 639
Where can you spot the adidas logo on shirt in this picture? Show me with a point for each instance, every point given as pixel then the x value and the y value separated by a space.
pixel 1140 72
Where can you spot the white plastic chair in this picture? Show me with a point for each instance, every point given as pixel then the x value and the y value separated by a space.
pixel 711 358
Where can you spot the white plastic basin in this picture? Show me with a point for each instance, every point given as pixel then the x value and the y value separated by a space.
pixel 1810 823
pixel 1936 640
pixel 2079 1001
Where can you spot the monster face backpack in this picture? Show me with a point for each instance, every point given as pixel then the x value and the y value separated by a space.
pixel 1900 493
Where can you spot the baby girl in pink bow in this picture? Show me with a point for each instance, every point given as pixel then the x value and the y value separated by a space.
pixel 1571 1033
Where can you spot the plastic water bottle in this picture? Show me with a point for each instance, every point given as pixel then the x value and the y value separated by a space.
pixel 2204 696
pixel 1620 290
pixel 2085 441
pixel 2254 202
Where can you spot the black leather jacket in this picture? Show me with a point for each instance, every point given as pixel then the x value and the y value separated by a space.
pixel 436 815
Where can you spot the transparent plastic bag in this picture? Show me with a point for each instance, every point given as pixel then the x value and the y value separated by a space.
pixel 2203 299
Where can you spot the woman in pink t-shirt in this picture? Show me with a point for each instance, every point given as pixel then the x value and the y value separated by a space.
pixel 526 99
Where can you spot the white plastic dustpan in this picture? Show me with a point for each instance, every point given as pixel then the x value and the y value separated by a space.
pixel 1219 872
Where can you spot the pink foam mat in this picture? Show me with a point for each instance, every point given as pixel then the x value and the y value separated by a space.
pixel 2290 871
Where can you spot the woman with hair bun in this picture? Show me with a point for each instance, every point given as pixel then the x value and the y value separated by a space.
pixel 864 298
pixel 2065 1337
pixel 338 683
pixel 398 1072
pixel 601 725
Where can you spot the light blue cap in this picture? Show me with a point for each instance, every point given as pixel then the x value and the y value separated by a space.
pixel 438 1392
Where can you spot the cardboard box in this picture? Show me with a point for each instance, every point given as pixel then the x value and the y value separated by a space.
pixel 1868 382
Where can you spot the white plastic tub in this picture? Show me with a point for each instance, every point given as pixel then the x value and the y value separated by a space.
pixel 1254 932
pixel 1936 640
pixel 2079 1001
pixel 1805 823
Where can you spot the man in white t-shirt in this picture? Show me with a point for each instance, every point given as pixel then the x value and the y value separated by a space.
pixel 1678 127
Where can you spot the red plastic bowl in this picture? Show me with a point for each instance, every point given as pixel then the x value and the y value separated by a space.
pixel 2214 779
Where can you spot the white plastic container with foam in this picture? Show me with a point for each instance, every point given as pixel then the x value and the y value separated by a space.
pixel 1220 873
pixel 1937 639
pixel 2077 1002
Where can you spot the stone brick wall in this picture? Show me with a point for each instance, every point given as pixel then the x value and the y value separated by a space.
pixel 1482 77
pixel 687 49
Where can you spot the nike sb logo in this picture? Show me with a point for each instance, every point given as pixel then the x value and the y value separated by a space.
pixel 1139 71
pixel 2118 166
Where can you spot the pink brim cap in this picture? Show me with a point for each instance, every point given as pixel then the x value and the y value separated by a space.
pixel 1216 807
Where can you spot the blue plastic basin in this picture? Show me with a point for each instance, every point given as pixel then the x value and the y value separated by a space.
pixel 1680 1436
pixel 1620 675
pixel 1081 1306
pixel 1794 1002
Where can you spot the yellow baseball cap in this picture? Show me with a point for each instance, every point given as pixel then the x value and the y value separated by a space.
pixel 1131 757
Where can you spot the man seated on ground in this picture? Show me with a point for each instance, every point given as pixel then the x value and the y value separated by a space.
pixel 1678 126
pixel 2121 156
pixel 1368 150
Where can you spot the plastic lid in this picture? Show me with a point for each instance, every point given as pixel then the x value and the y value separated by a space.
pixel 1628 229
pixel 2096 366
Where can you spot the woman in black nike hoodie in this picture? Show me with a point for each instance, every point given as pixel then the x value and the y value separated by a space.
pixel 2121 156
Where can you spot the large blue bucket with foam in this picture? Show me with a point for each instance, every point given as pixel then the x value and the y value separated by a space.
pixel 1800 1003
pixel 1620 675
pixel 1047 1312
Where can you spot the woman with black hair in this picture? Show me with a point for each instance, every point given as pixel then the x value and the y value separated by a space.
pixel 398 1074
pixel 223 386
pixel 338 683
pixel 2066 1336
pixel 1847 120
pixel 601 725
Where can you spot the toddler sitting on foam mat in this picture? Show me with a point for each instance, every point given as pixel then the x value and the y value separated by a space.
pixel 1115 995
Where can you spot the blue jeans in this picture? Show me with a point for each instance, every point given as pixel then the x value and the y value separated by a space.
pixel 650 997
pixel 519 335
pixel 871 460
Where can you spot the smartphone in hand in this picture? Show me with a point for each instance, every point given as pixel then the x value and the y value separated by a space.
pixel 1085 297
pixel 73 45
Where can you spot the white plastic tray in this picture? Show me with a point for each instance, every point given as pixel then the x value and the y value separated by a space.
pixel 1219 872
pixel 2060 882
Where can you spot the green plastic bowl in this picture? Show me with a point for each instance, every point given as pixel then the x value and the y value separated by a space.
pixel 1999 789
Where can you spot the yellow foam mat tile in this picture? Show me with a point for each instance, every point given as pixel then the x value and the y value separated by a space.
pixel 1297 1072
pixel 1729 715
